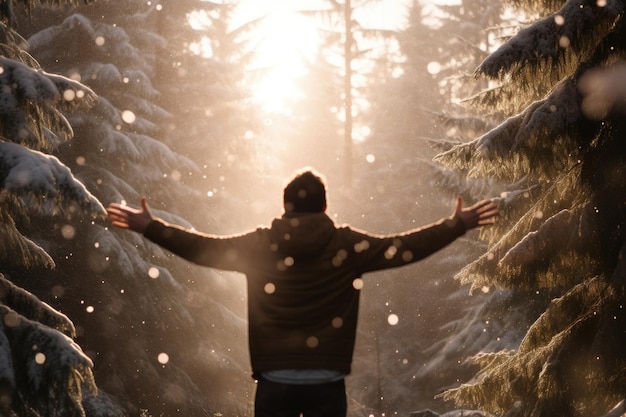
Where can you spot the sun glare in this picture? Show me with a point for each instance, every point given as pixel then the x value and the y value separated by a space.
pixel 286 41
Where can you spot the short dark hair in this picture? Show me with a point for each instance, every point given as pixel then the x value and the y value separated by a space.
pixel 305 193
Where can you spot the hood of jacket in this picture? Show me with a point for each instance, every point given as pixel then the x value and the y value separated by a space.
pixel 301 234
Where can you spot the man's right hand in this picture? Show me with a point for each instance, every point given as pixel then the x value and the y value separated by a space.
pixel 126 217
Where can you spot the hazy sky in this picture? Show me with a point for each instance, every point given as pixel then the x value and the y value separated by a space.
pixel 390 13
pixel 286 35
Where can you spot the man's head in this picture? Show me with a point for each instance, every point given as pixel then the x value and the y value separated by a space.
pixel 305 193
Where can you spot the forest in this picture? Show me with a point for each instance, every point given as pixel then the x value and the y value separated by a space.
pixel 523 101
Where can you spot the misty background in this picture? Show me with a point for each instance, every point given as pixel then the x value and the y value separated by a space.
pixel 207 108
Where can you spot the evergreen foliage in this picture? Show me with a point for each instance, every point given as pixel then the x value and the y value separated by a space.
pixel 564 153
pixel 44 372
pixel 130 299
pixel 113 135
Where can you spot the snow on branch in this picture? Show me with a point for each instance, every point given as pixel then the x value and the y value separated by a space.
pixel 154 151
pixel 42 182
pixel 551 245
pixel 561 312
pixel 116 143
pixel 123 252
pixel 549 48
pixel 110 40
pixel 16 250
pixel 139 83
pixel 29 306
pixel 101 75
pixel 482 156
pixel 72 28
pixel 111 187
pixel 107 76
pixel 532 6
pixel 564 343
pixel 14 46
pixel 50 368
pixel 25 91
pixel 24 82
pixel 507 377
pixel 536 138
pixel 143 108
pixel 564 250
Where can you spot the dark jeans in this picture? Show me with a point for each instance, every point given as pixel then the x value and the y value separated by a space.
pixel 286 400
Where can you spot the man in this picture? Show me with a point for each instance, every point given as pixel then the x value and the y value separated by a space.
pixel 304 276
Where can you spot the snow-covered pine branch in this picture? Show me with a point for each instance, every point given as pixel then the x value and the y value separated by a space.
pixel 575 319
pixel 539 206
pixel 532 6
pixel 121 252
pixel 549 48
pixel 49 369
pixel 14 46
pixel 545 136
pixel 16 250
pixel 102 75
pixel 480 156
pixel 154 151
pixel 24 92
pixel 43 183
pixel 557 238
pixel 110 40
pixel 29 306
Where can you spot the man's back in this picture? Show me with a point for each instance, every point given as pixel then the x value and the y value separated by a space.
pixel 304 276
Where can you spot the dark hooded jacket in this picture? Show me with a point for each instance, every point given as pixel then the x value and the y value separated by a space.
pixel 304 276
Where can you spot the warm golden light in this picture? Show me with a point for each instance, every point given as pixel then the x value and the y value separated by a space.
pixel 288 40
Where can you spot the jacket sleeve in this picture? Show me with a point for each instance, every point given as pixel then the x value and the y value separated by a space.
pixel 374 253
pixel 221 252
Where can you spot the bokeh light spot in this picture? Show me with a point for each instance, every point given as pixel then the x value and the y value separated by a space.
pixel 433 68
pixel 128 116
pixel 69 95
pixel 68 232
pixel 312 342
pixel 269 288
pixel 153 272
pixel 11 319
pixel 40 358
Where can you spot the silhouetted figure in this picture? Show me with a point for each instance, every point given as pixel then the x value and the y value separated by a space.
pixel 304 276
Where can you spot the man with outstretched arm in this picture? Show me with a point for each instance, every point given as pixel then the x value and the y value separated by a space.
pixel 303 276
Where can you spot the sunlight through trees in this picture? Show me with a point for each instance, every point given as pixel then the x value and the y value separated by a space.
pixel 108 101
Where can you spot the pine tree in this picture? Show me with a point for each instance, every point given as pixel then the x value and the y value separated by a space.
pixel 147 320
pixel 562 225
pixel 44 372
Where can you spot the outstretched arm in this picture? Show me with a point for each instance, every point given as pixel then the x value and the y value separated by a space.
pixel 126 217
pixel 480 214
pixel 221 252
